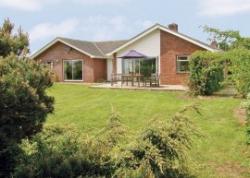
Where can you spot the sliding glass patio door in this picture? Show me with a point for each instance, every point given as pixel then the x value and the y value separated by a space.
pixel 146 67
pixel 73 70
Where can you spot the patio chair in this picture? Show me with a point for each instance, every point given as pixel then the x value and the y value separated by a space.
pixel 146 81
pixel 115 78
pixel 154 80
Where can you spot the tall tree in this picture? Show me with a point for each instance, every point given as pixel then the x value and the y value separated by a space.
pixel 228 39
pixel 24 105
pixel 11 42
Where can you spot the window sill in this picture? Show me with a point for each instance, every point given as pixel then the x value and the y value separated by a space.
pixel 182 72
pixel 73 80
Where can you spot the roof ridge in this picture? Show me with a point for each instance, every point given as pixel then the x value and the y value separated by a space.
pixel 108 41
pixel 90 40
pixel 74 39
pixel 99 49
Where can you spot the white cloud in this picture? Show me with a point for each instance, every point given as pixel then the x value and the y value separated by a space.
pixel 34 5
pixel 110 28
pixel 29 5
pixel 101 2
pixel 95 28
pixel 223 7
pixel 48 30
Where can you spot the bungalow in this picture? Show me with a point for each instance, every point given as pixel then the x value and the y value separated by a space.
pixel 165 52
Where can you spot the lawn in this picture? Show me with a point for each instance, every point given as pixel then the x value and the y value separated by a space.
pixel 220 152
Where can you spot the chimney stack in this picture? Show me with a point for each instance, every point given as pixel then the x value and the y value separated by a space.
pixel 214 44
pixel 173 27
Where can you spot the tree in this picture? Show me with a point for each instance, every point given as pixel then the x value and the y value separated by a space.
pixel 228 39
pixel 24 104
pixel 11 42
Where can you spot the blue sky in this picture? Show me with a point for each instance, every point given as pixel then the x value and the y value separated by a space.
pixel 121 19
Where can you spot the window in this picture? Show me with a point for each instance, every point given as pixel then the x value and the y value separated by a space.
pixel 72 70
pixel 49 64
pixel 182 64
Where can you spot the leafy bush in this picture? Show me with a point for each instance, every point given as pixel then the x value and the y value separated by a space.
pixel 206 73
pixel 240 65
pixel 159 151
pixel 24 105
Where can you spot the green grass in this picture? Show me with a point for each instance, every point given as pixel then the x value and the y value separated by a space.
pixel 220 152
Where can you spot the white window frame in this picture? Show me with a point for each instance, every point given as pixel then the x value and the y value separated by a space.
pixel 72 71
pixel 51 63
pixel 179 60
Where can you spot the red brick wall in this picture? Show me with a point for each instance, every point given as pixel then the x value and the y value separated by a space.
pixel 100 70
pixel 171 47
pixel 60 52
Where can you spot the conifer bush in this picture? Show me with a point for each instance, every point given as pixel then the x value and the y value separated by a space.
pixel 24 105
pixel 159 151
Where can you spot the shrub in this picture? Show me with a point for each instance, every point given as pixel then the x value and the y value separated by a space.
pixel 207 69
pixel 206 73
pixel 24 105
pixel 159 151
pixel 62 152
pixel 65 152
pixel 240 65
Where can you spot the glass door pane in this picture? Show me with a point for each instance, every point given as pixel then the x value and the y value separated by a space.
pixel 136 66
pixel 77 70
pixel 127 66
pixel 67 70
pixel 148 67
pixel 73 70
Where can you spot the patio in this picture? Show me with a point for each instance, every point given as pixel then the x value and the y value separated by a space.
pixel 129 87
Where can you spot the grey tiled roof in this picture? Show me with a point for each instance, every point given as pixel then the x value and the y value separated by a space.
pixel 99 49
pixel 103 48
pixel 109 46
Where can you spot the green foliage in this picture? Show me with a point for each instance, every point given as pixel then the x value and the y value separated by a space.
pixel 10 42
pixel 206 73
pixel 63 152
pixel 228 39
pixel 159 151
pixel 24 104
pixel 114 132
pixel 207 68
pixel 240 73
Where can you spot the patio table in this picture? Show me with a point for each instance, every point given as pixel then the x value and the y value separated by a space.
pixel 131 77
